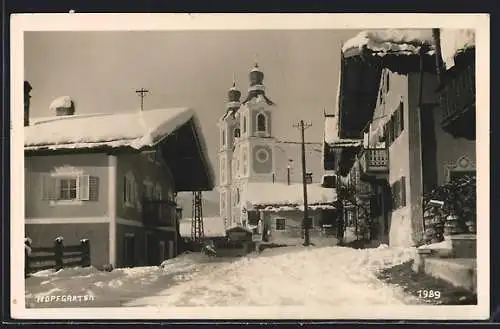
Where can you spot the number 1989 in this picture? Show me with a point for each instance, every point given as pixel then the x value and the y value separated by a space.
pixel 426 294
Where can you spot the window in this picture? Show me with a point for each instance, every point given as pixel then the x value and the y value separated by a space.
pixel 223 137
pixel 129 190
pixel 244 124
pixel 237 133
pixel 387 82
pixel 158 192
pixel 395 126
pixel 261 122
pixel 67 189
pixel 280 224
pixel 237 196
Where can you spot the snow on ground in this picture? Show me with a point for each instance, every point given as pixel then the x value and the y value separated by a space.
pixel 292 276
pixel 212 227
pixel 110 288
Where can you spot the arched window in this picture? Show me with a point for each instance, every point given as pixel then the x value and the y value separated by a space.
pixel 223 137
pixel 244 124
pixel 261 122
pixel 237 132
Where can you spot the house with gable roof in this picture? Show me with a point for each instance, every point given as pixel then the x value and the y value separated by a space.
pixel 405 124
pixel 112 179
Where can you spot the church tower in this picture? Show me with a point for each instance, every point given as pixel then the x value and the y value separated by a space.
pixel 229 132
pixel 257 143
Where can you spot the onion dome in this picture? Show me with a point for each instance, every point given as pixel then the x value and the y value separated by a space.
pixel 257 87
pixel 233 98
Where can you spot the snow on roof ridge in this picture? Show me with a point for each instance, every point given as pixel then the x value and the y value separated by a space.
pixel 390 39
pixel 111 129
pixel 41 120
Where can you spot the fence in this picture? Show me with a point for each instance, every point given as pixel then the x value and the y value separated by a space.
pixel 58 256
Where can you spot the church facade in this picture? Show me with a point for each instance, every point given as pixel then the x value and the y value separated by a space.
pixel 249 158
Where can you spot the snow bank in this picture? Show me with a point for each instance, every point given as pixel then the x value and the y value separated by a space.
pixel 453 41
pixel 212 227
pixel 113 287
pixel 307 276
pixel 61 102
pixel 136 129
pixel 259 194
pixel 389 41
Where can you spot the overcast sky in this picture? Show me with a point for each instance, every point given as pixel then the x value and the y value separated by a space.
pixel 102 70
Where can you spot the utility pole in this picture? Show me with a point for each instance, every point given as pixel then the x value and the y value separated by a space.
pixel 142 93
pixel 303 126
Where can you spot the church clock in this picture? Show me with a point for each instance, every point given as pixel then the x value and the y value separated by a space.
pixel 262 159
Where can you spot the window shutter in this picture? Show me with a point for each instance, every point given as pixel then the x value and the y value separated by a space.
pixel 125 189
pixel 93 188
pixel 403 191
pixel 401 116
pixel 83 187
pixel 49 187
pixel 396 125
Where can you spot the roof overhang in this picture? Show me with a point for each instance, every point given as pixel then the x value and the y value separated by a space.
pixel 185 153
pixel 361 70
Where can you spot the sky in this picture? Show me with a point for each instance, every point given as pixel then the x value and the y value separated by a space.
pixel 102 70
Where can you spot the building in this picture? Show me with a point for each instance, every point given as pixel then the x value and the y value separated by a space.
pixel 112 179
pixel 256 180
pixel 404 126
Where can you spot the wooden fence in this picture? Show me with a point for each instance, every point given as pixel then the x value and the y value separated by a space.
pixel 57 257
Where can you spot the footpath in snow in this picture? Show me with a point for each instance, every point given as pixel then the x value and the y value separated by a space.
pixel 292 276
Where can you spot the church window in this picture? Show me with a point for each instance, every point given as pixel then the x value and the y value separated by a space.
pixel 261 122
pixel 244 124
pixel 223 137
pixel 237 132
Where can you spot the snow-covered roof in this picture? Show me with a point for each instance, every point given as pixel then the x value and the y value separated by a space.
pixel 454 41
pixel 346 142
pixel 61 102
pixel 389 41
pixel 133 129
pixel 212 227
pixel 279 194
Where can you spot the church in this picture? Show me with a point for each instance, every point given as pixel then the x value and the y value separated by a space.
pixel 250 163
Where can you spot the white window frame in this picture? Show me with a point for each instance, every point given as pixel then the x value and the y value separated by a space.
pixel 66 173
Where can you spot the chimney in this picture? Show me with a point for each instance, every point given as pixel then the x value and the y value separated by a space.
pixel 63 106
pixel 27 90
pixel 309 178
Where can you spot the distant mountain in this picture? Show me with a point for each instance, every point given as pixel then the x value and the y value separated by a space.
pixel 210 203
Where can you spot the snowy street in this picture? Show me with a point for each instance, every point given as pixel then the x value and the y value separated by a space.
pixel 288 276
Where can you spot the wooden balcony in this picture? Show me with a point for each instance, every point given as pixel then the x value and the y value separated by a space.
pixel 159 213
pixel 458 102
pixel 374 162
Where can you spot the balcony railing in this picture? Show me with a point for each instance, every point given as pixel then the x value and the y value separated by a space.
pixel 159 213
pixel 458 95
pixel 375 161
